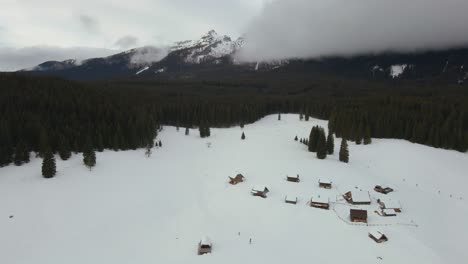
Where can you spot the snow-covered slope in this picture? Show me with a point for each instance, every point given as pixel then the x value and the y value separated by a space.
pixel 133 209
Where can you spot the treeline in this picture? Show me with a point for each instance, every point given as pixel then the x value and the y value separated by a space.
pixel 38 113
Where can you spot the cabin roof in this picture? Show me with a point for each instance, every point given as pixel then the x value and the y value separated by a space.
pixel 259 188
pixel 291 198
pixel 293 175
pixel 360 196
pixel 391 203
pixel 325 181
pixel 388 211
pixel 320 199
pixel 358 213
pixel 205 241
pixel 377 234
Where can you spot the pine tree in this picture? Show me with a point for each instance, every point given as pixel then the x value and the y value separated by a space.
pixel 301 141
pixel 344 152
pixel 149 148
pixel 301 116
pixel 313 138
pixel 367 136
pixel 321 145
pixel 207 131
pixel 358 140
pixel 330 144
pixel 160 144
pixel 21 154
pixel 89 157
pixel 64 149
pixel 279 116
pixel 243 136
pixel 48 164
pixel 295 139
pixel 187 131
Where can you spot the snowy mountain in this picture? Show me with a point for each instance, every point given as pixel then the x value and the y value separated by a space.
pixel 211 54
pixel 134 209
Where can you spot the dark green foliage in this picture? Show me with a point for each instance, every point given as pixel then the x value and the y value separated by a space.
pixel 301 141
pixel 301 116
pixel 160 143
pixel 21 154
pixel 279 116
pixel 204 131
pixel 367 137
pixel 89 156
pixel 295 139
pixel 187 131
pixel 321 145
pixel 48 164
pixel 314 138
pixel 243 136
pixel 344 152
pixel 330 144
pixel 64 149
pixel 149 148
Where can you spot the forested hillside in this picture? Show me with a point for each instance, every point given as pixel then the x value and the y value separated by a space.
pixel 40 113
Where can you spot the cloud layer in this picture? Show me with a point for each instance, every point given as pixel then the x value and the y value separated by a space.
pixel 306 28
pixel 12 59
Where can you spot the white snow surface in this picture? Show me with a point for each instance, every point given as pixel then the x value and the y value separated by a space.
pixel 126 210
pixel 142 70
pixel 397 70
pixel 360 196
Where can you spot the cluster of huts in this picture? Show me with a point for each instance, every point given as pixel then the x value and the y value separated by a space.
pixel 387 207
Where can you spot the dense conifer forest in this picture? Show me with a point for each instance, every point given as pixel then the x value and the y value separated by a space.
pixel 40 114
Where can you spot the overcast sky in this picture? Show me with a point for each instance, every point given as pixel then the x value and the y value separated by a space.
pixel 33 31
pixel 58 27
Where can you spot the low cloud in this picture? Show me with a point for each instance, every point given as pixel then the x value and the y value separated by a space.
pixel 12 59
pixel 90 24
pixel 126 42
pixel 312 29
pixel 148 55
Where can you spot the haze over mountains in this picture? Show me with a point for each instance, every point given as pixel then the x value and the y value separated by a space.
pixel 217 55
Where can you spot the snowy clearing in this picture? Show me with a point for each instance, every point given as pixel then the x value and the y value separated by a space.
pixel 133 209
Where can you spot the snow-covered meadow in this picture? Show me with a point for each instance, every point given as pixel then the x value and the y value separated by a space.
pixel 133 209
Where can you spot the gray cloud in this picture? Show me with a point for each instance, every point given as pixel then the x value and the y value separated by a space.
pixel 126 42
pixel 12 59
pixel 89 23
pixel 148 55
pixel 305 28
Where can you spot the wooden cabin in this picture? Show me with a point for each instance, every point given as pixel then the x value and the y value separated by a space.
pixel 383 190
pixel 357 197
pixel 291 199
pixel 320 202
pixel 388 212
pixel 378 236
pixel 239 178
pixel 204 246
pixel 326 184
pixel 260 191
pixel 358 215
pixel 292 178
pixel 389 204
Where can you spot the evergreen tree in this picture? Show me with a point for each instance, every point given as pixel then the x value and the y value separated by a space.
pixel 314 138
pixel 187 131
pixel 64 149
pixel 344 152
pixel 367 136
pixel 321 145
pixel 160 144
pixel 48 164
pixel 330 144
pixel 21 154
pixel 301 141
pixel 295 139
pixel 208 131
pixel 279 116
pixel 243 136
pixel 149 148
pixel 89 157
pixel 301 116
pixel 358 140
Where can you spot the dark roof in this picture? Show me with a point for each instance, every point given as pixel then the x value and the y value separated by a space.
pixel 356 213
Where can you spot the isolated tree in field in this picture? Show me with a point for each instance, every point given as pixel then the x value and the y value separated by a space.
pixel 243 136
pixel 344 152
pixel 321 145
pixel 279 116
pixel 149 148
pixel 301 141
pixel 89 157
pixel 367 136
pixel 330 144
pixel 314 137
pixel 48 164
pixel 160 143
pixel 187 131
pixel 295 139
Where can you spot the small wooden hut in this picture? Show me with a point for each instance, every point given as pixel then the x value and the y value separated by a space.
pixel 357 197
pixel 326 184
pixel 204 246
pixel 389 204
pixel 291 199
pixel 320 202
pixel 260 191
pixel 388 212
pixel 237 179
pixel 378 236
pixel 383 190
pixel 358 215
pixel 292 178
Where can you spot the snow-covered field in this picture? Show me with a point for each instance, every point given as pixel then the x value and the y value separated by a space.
pixel 133 209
